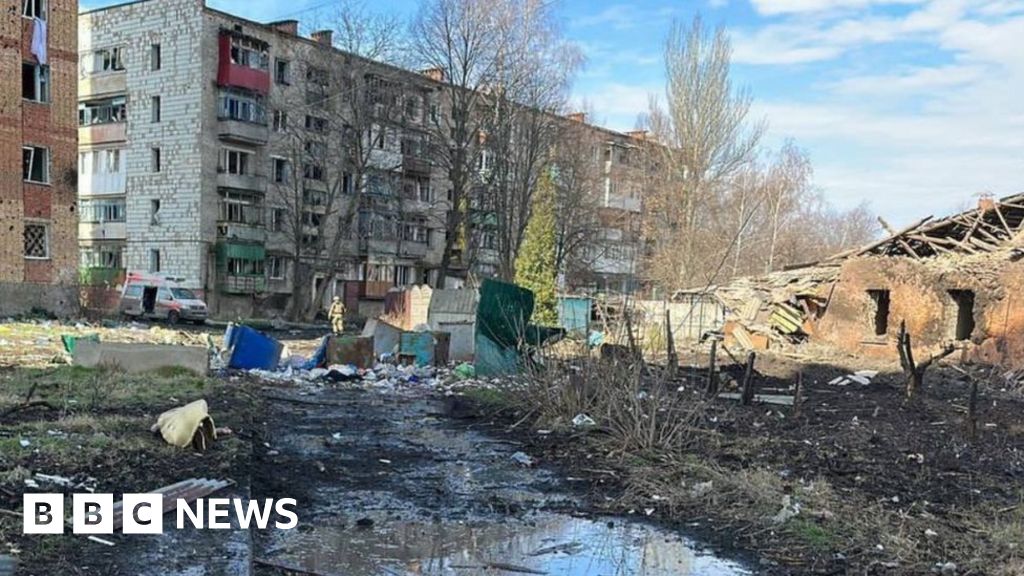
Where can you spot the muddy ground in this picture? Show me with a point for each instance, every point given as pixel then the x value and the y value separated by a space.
pixel 407 482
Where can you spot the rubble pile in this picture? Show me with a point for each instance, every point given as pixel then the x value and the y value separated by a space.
pixel 778 309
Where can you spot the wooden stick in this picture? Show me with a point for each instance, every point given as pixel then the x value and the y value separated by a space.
pixel 712 376
pixel 798 393
pixel 748 381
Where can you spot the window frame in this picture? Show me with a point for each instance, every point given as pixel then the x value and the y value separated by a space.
pixel 46 239
pixel 40 81
pixel 43 8
pixel 27 177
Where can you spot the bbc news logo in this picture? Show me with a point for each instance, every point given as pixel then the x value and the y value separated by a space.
pixel 144 513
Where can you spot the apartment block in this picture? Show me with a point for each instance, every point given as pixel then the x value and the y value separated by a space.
pixel 38 207
pixel 188 123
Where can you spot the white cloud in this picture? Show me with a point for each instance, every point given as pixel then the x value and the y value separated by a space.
pixel 776 7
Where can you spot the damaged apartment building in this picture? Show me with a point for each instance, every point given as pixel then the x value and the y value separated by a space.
pixel 206 155
pixel 952 280
pixel 204 136
pixel 38 204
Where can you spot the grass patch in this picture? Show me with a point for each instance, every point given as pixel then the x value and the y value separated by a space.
pixel 810 533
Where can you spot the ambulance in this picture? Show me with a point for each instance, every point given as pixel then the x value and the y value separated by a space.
pixel 159 297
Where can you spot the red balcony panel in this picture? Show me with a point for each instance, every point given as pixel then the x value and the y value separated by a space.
pixel 230 74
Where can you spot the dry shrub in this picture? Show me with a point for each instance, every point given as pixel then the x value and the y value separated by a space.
pixel 639 410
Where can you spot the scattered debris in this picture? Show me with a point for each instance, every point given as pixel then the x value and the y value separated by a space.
pixel 186 425
pixel 523 458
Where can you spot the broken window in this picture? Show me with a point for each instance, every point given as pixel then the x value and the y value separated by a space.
pixel 881 300
pixel 35 82
pixel 964 322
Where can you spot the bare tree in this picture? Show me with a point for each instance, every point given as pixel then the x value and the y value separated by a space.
pixel 335 130
pixel 457 39
pixel 706 140
pixel 577 180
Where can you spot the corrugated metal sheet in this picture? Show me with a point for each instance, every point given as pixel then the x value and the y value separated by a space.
pixel 453 302
pixel 187 490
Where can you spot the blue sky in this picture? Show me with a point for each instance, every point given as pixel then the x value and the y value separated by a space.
pixel 914 105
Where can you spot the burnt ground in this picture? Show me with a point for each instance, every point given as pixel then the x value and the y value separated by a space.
pixel 885 486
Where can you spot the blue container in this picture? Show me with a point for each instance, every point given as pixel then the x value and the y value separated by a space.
pixel 419 345
pixel 251 349
pixel 574 315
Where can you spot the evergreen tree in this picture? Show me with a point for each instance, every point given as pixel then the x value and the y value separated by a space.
pixel 535 264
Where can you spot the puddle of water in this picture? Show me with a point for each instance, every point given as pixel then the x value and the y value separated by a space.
pixel 548 544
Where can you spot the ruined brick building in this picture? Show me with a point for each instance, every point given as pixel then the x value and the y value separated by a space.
pixel 38 147
pixel 956 280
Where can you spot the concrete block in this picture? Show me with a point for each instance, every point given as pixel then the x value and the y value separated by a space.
pixel 134 358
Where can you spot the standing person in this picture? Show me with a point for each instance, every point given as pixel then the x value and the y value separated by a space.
pixel 337 315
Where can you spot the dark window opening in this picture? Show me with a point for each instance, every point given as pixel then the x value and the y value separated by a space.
pixel 964 300
pixel 881 301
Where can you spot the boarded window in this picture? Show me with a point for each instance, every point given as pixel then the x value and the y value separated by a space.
pixel 880 298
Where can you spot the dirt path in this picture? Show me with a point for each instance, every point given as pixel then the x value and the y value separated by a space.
pixel 394 485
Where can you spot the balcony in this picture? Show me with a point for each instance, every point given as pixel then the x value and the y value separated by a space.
pixel 411 249
pixel 231 284
pixel 621 203
pixel 416 165
pixel 102 231
pixel 368 246
pixel 236 75
pixel 241 232
pixel 103 84
pixel 98 276
pixel 371 290
pixel 103 183
pixel 102 133
pixel 242 181
pixel 242 131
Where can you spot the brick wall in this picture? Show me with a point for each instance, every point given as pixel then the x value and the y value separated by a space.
pixel 52 125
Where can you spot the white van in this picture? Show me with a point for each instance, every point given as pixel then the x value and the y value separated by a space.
pixel 157 297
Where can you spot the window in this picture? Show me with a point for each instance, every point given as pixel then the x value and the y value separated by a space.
pixel 37 240
pixel 275 268
pixel 35 82
pixel 314 197
pixel 281 171
pixel 155 159
pixel 249 52
pixel 246 107
pixel 282 72
pixel 963 325
pixel 155 109
pixel 280 120
pixel 235 161
pixel 154 260
pixel 108 60
pixel 154 212
pixel 34 9
pixel 415 232
pixel 102 111
pixel 244 267
pixel 102 256
pixel 880 298
pixel 241 208
pixel 154 57
pixel 277 220
pixel 35 164
pixel 403 275
pixel 102 210
pixel 316 124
